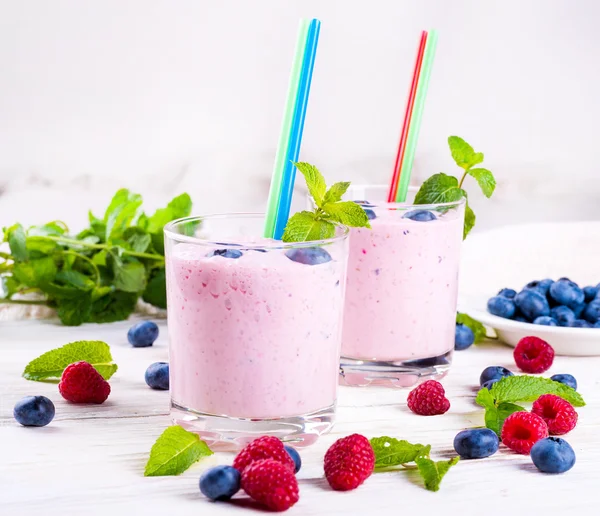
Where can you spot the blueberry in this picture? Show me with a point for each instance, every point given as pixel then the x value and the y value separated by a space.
pixel 293 453
pixel 592 312
pixel 532 304
pixel 34 411
pixel 590 293
pixel 463 337
pixel 563 315
pixel 493 373
pixel 309 255
pixel 580 323
pixel 541 286
pixel 566 292
pixel 220 482
pixel 520 318
pixel 143 334
pixel 501 306
pixel 578 309
pixel 419 215
pixel 157 376
pixel 489 383
pixel 476 443
pixel 507 292
pixel 553 455
pixel 597 325
pixel 226 253
pixel 365 204
pixel 370 214
pixel 567 379
pixel 545 320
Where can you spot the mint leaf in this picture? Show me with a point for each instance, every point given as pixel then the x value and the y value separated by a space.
pixel 336 192
pixel 394 452
pixel 112 306
pixel 51 364
pixel 314 181
pixel 34 273
pixel 513 389
pixel 495 416
pixel 439 188
pixel 129 276
pixel 75 279
pixel 463 154
pixel 486 180
pixel 75 311
pixel 485 399
pixel 156 290
pixel 56 228
pixel 476 327
pixel 119 214
pixel 433 472
pixel 174 452
pixel 469 220
pixel 40 244
pixel 348 213
pixel 179 207
pixel 137 240
pixel 305 226
pixel 16 238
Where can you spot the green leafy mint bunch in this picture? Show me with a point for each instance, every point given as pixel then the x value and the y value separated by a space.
pixel 97 275
pixel 442 188
pixel 329 210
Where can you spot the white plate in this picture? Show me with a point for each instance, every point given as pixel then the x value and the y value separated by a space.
pixel 512 256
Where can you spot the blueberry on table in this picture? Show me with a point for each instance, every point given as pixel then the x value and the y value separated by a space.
pixel 590 293
pixel 592 312
pixel 553 455
pixel 463 337
pixel 545 320
pixel 494 373
pixel 501 306
pixel 476 443
pixel 419 215
pixel 507 292
pixel 309 255
pixel 220 482
pixel 143 334
pixel 293 453
pixel 532 303
pixel 157 376
pixel 580 323
pixel 563 315
pixel 566 292
pixel 226 253
pixel 567 379
pixel 34 411
pixel 488 385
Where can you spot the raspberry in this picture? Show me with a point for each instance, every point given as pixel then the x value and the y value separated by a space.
pixel 265 447
pixel 349 462
pixel 521 430
pixel 81 383
pixel 559 414
pixel 271 484
pixel 533 355
pixel 428 399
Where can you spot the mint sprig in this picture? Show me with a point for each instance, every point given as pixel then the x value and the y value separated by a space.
pixel 391 452
pixel 175 451
pixel 442 188
pixel 329 209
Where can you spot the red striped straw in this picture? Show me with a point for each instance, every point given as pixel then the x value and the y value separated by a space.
pixel 407 116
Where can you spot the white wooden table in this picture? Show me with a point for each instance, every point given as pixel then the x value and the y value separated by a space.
pixel 90 459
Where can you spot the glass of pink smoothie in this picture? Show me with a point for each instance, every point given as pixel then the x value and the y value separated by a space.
pixel 401 292
pixel 255 329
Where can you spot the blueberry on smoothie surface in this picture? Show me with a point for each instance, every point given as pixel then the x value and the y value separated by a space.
pixel 143 334
pixel 309 255
pixel 225 253
pixel 419 215
pixel 34 411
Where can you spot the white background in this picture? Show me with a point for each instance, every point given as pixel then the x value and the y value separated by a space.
pixel 187 95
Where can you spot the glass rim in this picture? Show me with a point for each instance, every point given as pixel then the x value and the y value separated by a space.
pixel 405 206
pixel 169 232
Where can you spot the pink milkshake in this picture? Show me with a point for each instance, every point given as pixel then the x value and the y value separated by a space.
pixel 255 330
pixel 401 295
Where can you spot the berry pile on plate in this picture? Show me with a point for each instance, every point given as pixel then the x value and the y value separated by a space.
pixel 550 303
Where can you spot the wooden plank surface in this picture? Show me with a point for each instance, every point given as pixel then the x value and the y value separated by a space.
pixel 90 459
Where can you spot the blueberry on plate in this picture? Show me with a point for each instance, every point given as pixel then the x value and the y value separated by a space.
pixel 553 455
pixel 592 312
pixel 507 292
pixel 220 482
pixel 590 293
pixel 567 379
pixel 545 320
pixel 563 315
pixel 143 334
pixel 309 255
pixel 419 215
pixel 34 411
pixel 494 373
pixel 293 453
pixel 226 253
pixel 578 309
pixel 532 303
pixel 597 324
pixel 501 306
pixel 580 323
pixel 566 292
pixel 476 443
pixel 541 286
pixel 520 318
pixel 463 337
pixel 157 376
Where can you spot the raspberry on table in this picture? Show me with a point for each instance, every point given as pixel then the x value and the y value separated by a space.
pixel 559 414
pixel 533 355
pixel 521 430
pixel 271 483
pixel 81 383
pixel 266 447
pixel 428 399
pixel 349 462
